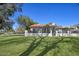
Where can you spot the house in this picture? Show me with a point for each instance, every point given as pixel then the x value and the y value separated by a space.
pixel 51 29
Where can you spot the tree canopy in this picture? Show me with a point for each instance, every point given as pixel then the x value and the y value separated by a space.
pixel 7 10
pixel 25 22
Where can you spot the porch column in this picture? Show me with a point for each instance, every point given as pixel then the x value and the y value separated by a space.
pixel 56 34
pixel 61 32
pixel 68 33
pixel 50 34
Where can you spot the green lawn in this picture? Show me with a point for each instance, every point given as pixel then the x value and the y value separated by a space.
pixel 32 46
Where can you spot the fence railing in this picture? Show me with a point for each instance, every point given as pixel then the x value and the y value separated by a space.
pixel 11 33
pixel 37 34
pixel 67 34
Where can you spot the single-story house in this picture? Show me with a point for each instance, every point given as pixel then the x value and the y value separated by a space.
pixel 51 29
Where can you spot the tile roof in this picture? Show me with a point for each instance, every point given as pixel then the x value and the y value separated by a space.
pixel 41 25
pixel 37 25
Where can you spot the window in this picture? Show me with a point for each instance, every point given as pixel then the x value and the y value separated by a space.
pixel 64 31
pixel 75 31
pixel 45 30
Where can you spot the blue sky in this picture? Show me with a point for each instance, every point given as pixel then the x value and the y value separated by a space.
pixel 61 13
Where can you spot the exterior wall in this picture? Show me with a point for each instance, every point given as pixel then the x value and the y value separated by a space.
pixel 66 34
pixel 50 34
pixel 61 32
pixel 38 34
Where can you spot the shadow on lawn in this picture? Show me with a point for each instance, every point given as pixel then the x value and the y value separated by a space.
pixel 33 45
pixel 12 41
pixel 48 48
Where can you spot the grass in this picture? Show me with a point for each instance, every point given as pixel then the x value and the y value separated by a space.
pixel 35 46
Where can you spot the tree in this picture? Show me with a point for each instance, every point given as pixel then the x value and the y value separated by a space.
pixel 20 29
pixel 25 22
pixel 75 26
pixel 1 22
pixel 7 10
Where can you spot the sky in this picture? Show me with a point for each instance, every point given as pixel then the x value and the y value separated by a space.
pixel 60 13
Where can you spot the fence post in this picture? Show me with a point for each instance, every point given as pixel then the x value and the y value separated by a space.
pixel 26 33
